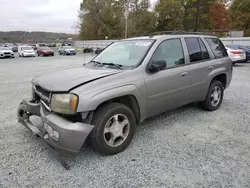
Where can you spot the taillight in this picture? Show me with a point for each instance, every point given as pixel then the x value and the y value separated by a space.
pixel 236 52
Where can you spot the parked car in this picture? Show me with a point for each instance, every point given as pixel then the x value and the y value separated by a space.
pixel 129 81
pixel 14 48
pixel 245 48
pixel 87 50
pixel 98 50
pixel 235 54
pixel 45 51
pixel 67 50
pixel 26 51
pixel 34 46
pixel 6 52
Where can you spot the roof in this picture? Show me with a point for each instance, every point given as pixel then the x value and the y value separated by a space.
pixel 156 37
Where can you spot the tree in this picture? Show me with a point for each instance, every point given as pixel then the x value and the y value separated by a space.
pixel 219 15
pixel 140 20
pixel 197 14
pixel 170 15
pixel 240 15
pixel 100 18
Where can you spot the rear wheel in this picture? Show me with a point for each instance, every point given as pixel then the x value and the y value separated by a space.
pixel 214 96
pixel 114 128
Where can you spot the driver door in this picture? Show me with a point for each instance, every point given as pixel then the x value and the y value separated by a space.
pixel 168 88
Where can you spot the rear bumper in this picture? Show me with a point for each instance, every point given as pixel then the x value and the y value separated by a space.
pixel 238 59
pixel 71 135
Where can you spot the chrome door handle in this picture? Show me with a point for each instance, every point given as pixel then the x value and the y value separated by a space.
pixel 211 67
pixel 184 74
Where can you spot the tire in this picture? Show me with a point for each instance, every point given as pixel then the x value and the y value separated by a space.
pixel 208 104
pixel 98 140
pixel 22 55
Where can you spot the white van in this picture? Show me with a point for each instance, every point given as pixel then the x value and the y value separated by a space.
pixel 26 51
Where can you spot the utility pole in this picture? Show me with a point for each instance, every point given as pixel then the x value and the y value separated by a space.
pixel 126 18
pixel 197 20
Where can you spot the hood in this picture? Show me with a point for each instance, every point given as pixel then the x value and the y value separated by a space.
pixel 67 79
pixel 46 51
pixel 72 49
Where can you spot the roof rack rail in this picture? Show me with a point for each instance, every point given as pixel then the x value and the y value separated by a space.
pixel 177 33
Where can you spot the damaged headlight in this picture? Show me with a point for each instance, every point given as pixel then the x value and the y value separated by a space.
pixel 64 103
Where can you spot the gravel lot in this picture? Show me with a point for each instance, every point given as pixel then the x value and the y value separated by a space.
pixel 187 147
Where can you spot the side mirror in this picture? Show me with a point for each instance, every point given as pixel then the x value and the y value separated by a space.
pixel 157 66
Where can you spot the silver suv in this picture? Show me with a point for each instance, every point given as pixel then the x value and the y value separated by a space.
pixel 129 81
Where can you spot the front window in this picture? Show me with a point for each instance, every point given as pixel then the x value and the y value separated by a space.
pixel 4 48
pixel 27 48
pixel 171 52
pixel 126 54
pixel 45 48
pixel 67 47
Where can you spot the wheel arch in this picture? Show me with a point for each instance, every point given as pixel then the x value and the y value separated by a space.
pixel 222 78
pixel 128 100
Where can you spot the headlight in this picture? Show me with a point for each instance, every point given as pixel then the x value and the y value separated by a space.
pixel 64 103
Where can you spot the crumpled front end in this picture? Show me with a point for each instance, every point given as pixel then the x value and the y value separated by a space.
pixel 58 132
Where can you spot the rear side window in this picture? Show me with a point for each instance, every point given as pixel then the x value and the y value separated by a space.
pixel 194 49
pixel 205 54
pixel 217 47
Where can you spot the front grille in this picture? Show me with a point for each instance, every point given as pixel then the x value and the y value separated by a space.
pixel 72 51
pixel 43 91
pixel 42 94
pixel 7 53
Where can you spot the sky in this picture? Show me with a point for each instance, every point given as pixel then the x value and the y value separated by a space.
pixel 40 15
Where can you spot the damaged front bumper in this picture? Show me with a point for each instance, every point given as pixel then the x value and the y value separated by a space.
pixel 58 133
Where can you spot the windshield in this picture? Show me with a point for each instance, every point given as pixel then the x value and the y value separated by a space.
pixel 125 53
pixel 4 48
pixel 45 48
pixel 67 47
pixel 27 48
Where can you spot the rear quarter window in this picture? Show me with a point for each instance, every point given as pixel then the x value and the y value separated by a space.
pixel 217 47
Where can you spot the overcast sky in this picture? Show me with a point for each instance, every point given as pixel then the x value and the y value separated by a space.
pixel 39 15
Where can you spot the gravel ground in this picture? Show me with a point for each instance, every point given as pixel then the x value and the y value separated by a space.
pixel 187 147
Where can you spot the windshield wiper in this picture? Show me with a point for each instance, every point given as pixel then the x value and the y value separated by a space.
pixel 95 62
pixel 113 64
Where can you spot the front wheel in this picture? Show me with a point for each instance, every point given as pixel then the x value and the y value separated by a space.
pixel 114 128
pixel 214 96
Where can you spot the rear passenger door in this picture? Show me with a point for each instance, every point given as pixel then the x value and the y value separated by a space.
pixel 200 67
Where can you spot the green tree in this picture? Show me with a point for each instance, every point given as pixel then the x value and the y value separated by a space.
pixel 240 15
pixel 170 15
pixel 194 19
pixel 140 20
pixel 101 18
